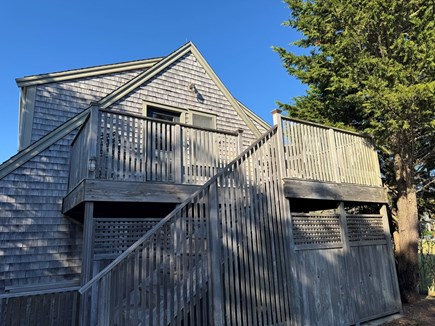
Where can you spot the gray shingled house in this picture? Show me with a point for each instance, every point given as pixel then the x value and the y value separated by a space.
pixel 144 193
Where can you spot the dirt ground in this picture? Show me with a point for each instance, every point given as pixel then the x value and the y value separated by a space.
pixel 421 313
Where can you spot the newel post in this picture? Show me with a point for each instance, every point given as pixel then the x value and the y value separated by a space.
pixel 277 121
pixel 239 141
pixel 92 141
pixel 214 257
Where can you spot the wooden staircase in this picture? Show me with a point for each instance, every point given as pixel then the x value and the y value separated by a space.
pixel 194 267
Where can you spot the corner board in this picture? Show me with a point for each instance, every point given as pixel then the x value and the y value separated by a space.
pixel 333 191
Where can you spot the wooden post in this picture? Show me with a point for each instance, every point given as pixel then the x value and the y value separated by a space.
pixel 92 141
pixel 280 143
pixel 276 115
pixel 392 262
pixel 178 165
pixel 239 141
pixel 87 259
pixel 214 257
pixel 333 156
pixel 350 281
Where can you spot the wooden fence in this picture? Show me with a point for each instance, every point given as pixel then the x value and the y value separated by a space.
pixel 316 152
pixel 121 146
pixel 57 307
pixel 344 271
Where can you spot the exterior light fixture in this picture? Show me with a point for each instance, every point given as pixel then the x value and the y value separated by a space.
pixel 192 88
pixel 92 164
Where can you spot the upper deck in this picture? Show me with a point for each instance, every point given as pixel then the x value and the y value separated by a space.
pixel 327 163
pixel 125 157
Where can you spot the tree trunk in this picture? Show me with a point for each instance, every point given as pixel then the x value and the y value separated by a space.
pixel 407 250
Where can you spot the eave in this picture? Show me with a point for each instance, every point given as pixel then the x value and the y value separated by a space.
pixel 85 72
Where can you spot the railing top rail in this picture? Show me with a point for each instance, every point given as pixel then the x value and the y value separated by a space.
pixel 81 128
pixel 138 116
pixel 38 292
pixel 177 210
pixel 326 127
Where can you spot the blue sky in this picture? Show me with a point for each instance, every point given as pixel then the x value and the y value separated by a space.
pixel 234 36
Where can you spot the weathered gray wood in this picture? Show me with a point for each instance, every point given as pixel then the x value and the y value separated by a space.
pixel 332 191
pixel 349 278
pixel 316 152
pixel 215 256
pixel 126 191
pixel 48 307
pixel 87 260
pixel 392 263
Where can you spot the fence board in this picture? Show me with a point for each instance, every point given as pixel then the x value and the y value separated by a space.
pixel 315 152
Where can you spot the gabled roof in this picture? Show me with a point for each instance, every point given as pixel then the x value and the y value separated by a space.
pixel 154 66
pixel 166 62
pixel 85 72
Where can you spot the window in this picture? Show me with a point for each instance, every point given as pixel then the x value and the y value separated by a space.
pixel 163 112
pixel 157 113
pixel 203 121
pixel 173 114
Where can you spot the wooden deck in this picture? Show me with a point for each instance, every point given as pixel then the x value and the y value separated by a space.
pixel 235 251
pixel 235 254
pixel 125 157
pixel 119 146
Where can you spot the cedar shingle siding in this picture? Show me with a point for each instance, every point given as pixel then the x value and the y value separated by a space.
pixel 57 102
pixel 38 244
pixel 169 88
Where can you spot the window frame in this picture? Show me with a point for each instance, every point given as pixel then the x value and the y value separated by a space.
pixel 147 105
pixel 183 113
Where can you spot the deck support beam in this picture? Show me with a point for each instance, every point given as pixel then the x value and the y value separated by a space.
pixel 309 189
pixel 214 257
pixel 87 259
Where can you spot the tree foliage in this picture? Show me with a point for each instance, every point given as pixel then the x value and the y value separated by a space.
pixel 370 66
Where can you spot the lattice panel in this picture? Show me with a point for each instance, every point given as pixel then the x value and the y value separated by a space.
pixel 365 227
pixel 317 230
pixel 112 236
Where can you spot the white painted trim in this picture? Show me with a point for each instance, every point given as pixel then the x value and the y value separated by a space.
pixel 166 62
pixel 204 114
pixel 27 109
pixel 224 90
pixel 37 147
pixel 253 116
pixel 85 72
pixel 141 78
pixel 164 107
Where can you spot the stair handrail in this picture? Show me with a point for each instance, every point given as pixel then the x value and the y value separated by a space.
pixel 177 210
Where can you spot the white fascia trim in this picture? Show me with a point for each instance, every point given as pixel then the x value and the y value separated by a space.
pixel 85 72
pixel 225 91
pixel 37 147
pixel 143 77
pixel 254 116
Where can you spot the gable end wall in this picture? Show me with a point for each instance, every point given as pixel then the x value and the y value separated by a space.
pixel 171 87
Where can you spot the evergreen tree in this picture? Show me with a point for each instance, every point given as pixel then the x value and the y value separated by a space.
pixel 370 66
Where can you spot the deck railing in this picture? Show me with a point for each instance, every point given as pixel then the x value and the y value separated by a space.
pixel 219 258
pixel 121 146
pixel 44 307
pixel 321 153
